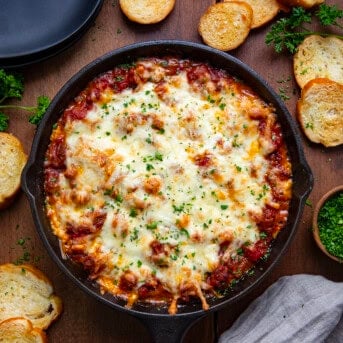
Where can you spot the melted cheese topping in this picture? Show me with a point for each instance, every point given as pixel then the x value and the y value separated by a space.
pixel 176 173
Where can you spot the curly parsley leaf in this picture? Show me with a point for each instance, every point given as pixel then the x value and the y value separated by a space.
pixel 3 121
pixel 328 15
pixel 298 17
pixel 287 33
pixel 11 86
pixel 38 111
pixel 43 103
pixel 282 34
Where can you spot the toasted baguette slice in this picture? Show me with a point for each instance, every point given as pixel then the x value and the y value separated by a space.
pixel 26 292
pixel 146 11
pixel 226 25
pixel 20 330
pixel 13 160
pixel 320 111
pixel 263 11
pixel 319 57
pixel 301 3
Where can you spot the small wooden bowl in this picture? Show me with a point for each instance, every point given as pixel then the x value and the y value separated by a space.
pixel 319 205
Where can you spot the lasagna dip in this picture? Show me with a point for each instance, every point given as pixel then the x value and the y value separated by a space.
pixel 167 180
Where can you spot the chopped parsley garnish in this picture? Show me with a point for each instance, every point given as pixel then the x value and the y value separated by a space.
pixel 239 251
pixel 109 191
pixel 179 209
pixel 210 99
pixel 126 65
pixel 21 241
pixel 119 198
pixel 26 257
pixel 185 232
pixel 134 235
pixel 149 167
pixel 263 235
pixel 283 94
pixel 308 203
pixel 235 143
pixel 152 226
pixel 159 129
pixel 309 126
pixel 330 224
pixel 158 156
pixel 262 194
pixel 133 213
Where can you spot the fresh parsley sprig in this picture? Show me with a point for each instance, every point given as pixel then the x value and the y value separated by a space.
pixel 3 121
pixel 12 86
pixel 328 15
pixel 287 33
pixel 37 111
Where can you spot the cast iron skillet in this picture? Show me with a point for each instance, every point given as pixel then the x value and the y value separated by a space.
pixel 163 327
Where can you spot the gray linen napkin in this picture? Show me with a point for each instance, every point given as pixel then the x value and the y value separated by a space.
pixel 299 308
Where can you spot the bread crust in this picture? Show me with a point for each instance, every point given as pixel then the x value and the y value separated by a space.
pixel 13 160
pixel 20 329
pixel 319 57
pixel 320 111
pixel 28 293
pixel 301 3
pixel 263 11
pixel 146 11
pixel 226 25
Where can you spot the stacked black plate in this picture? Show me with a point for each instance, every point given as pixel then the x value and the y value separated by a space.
pixel 33 30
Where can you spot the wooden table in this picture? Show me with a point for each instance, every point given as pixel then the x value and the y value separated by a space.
pixel 84 319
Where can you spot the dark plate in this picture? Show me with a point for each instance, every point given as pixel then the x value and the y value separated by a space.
pixel 33 30
pixel 164 327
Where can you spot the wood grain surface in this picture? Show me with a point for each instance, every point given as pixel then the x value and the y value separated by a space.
pixel 86 320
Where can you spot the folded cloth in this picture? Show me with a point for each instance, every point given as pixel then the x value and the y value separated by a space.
pixel 299 308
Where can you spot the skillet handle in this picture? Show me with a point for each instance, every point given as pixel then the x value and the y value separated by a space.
pixel 29 179
pixel 170 329
pixel 303 189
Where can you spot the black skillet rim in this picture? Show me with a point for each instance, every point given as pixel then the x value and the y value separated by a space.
pixel 302 174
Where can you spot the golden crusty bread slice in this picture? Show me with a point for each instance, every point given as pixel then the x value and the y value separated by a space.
pixel 13 160
pixel 20 330
pixel 320 111
pixel 226 25
pixel 263 11
pixel 319 57
pixel 146 11
pixel 26 292
pixel 301 3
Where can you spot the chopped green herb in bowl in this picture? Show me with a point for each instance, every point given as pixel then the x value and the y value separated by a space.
pixel 328 224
